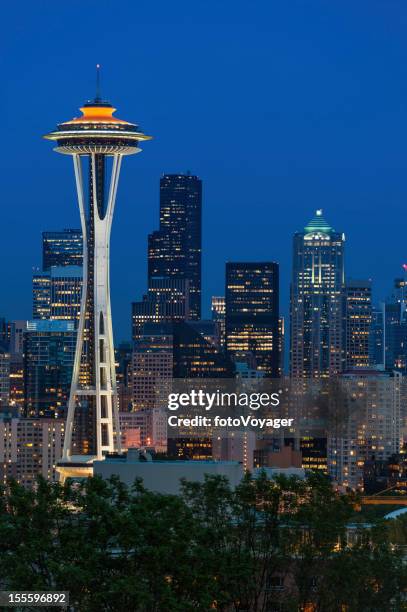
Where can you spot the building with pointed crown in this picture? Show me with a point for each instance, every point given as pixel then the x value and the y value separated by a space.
pixel 316 294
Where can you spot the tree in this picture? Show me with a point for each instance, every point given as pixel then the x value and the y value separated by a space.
pixel 267 544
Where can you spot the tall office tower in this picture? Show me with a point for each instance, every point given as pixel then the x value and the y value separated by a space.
pixel 29 448
pixel 123 356
pixel 208 329
pixel 316 291
pixel 152 370
pixel 57 293
pixel 192 355
pixel 357 309
pixel 175 249
pixel 388 332
pixel 41 294
pixel 195 357
pixel 97 142
pixel 4 376
pixel 66 291
pixel 395 327
pixel 17 330
pixel 218 308
pixel 17 382
pixel 400 291
pixel 369 427
pixel 167 300
pixel 281 344
pixel 49 349
pixel 5 329
pixel 395 337
pixel 62 248
pixel 376 338
pixel 252 313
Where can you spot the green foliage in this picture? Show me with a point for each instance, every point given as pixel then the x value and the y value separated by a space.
pixel 212 547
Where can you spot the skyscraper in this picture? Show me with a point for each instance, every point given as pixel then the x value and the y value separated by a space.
pixel 49 349
pixel 167 300
pixel 376 338
pixel 4 376
pixel 252 314
pixel 357 304
pixel 175 249
pixel 29 448
pixel 41 287
pixel 218 307
pixel 5 329
pixel 388 332
pixel 61 248
pixel 316 295
pixel 192 355
pixel 97 137
pixel 152 370
pixel 57 293
pixel 370 426
pixel 66 290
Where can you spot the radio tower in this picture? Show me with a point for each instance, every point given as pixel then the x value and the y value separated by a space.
pixel 97 142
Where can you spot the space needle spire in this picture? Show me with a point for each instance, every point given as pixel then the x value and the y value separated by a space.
pixel 97 142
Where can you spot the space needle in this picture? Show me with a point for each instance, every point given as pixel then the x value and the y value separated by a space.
pixel 97 141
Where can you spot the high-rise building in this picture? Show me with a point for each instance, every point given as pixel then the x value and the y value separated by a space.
pixel 376 338
pixel 5 329
pixel 357 304
pixel 41 288
pixel 395 337
pixel 49 349
pixel 400 290
pixel 4 376
pixel 192 355
pixel 57 293
pixel 175 249
pixel 29 448
pixel 218 308
pixel 92 139
pixel 167 300
pixel 61 248
pixel 316 295
pixel 17 330
pixel 208 329
pixel 17 382
pixel 252 313
pixel 123 355
pixel 152 370
pixel 369 424
pixel 395 328
pixel 388 332
pixel 281 344
pixel 66 290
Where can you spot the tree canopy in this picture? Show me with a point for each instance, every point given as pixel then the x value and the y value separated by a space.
pixel 281 544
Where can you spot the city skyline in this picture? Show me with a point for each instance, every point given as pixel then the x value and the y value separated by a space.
pixel 339 146
pixel 205 344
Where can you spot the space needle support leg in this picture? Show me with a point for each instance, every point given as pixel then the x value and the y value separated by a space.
pixel 107 418
pixel 79 338
pixel 117 160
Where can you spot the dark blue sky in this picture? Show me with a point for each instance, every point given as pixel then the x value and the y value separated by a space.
pixel 280 107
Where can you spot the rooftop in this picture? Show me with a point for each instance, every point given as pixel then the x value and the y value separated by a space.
pixel 318 224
